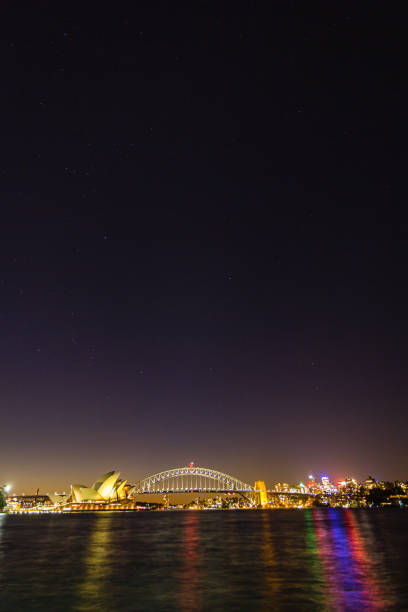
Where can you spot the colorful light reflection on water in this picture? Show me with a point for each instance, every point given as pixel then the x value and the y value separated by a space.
pixel 314 560
pixel 349 578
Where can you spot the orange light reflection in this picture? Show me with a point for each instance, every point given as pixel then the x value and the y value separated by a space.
pixel 190 593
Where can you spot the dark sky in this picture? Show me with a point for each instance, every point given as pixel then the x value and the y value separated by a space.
pixel 203 247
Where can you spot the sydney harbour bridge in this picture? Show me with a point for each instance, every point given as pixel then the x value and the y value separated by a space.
pixel 190 479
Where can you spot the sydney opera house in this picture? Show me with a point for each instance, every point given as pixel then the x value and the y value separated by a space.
pixel 108 488
pixel 108 492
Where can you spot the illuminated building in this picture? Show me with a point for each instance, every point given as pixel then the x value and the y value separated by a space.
pixel 327 486
pixel 347 485
pixel 59 498
pixel 27 502
pixel 282 487
pixel 370 482
pixel 311 484
pixel 108 488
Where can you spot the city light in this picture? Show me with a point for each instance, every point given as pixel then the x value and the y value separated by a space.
pixel 197 488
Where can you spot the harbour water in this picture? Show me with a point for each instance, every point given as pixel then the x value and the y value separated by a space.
pixel 321 559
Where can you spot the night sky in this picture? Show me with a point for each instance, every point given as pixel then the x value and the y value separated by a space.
pixel 203 246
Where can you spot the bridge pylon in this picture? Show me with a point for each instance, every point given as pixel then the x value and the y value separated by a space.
pixel 261 495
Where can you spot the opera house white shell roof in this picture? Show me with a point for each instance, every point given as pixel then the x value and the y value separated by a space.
pixel 106 488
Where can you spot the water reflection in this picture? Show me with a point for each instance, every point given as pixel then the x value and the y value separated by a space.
pixel 272 578
pixel 190 588
pixel 97 565
pixel 314 563
pixel 350 582
pixel 378 597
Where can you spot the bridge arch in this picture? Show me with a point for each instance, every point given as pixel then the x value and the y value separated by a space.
pixel 185 479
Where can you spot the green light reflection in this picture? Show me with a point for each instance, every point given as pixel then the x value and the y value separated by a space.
pixel 315 565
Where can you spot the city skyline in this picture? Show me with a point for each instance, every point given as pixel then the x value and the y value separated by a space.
pixel 320 477
pixel 195 487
